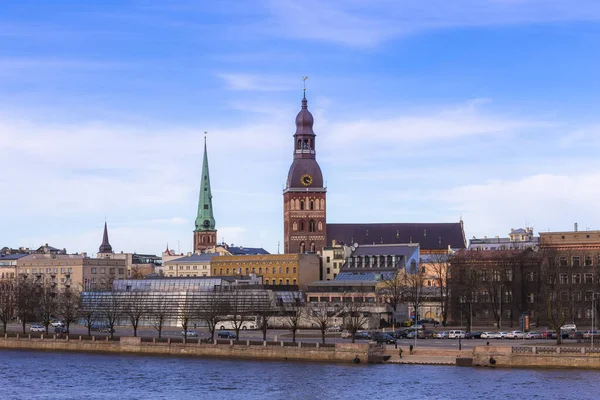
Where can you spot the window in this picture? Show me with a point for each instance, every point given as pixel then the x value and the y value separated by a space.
pixel 294 281
pixel 563 261
pixel 287 270
pixel 576 296
pixel 93 270
pixel 301 206
pixel 112 271
pixel 531 298
pixel 588 261
pixel 195 267
pixel 312 205
pixel 531 276
pixel 62 271
pixel 564 279
pixel 588 296
pixel 576 279
pixel 266 281
pixel 122 271
pixel 260 270
pixel 328 271
pixel 589 278
pixel 48 270
pixel 328 259
pixel 266 270
pixel 293 270
pixel 287 281
pixel 576 261
pixel 280 281
pixel 70 270
pixel 181 267
pixel 253 270
pixel 302 227
pixel 295 226
pixel 246 271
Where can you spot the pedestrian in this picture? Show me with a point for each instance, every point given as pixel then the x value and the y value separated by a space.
pixel 487 343
pixel 400 352
pixel 194 326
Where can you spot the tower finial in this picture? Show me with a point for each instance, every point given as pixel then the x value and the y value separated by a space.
pixel 304 78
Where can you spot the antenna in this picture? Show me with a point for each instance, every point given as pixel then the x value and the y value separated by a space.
pixel 278 243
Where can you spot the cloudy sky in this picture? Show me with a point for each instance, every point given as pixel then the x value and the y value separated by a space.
pixel 424 111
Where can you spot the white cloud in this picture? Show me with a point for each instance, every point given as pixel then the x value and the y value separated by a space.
pixel 255 82
pixel 546 201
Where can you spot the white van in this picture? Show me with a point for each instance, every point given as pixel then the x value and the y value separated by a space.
pixel 456 334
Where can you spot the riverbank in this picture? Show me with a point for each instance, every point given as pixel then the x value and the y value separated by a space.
pixel 338 352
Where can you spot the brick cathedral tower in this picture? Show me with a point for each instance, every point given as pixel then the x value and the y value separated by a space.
pixel 304 196
pixel 205 234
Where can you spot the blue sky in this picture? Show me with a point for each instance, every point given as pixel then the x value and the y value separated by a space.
pixel 424 113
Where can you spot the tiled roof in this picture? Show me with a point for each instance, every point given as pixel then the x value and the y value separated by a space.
pixel 430 236
pixel 364 276
pixel 12 256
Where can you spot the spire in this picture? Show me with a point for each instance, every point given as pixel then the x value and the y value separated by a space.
pixel 205 221
pixel 105 247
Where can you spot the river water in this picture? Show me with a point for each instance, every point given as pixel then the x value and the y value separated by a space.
pixel 46 375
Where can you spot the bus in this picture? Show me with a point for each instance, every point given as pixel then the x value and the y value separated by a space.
pixel 228 323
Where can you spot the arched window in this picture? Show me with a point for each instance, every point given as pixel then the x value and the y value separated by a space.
pixel 239 271
pixel 302 225
pixel 287 270
pixel 312 247
pixel 302 248
pixel 280 270
pixel 292 205
pixel 294 270
pixel 280 281
pixel 312 144
pixel 299 144
pixel 295 226
pixel 294 281
pixel 306 143
pixel 266 281
pixel 302 204
pixel 311 225
pixel 287 281
pixel 227 271
pixel 322 204
pixel 221 271
pixel 297 204
pixel 320 226
pixel 203 240
pixel 312 205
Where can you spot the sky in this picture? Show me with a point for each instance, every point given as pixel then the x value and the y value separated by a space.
pixel 485 110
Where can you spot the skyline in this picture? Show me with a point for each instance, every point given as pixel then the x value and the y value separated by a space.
pixel 423 114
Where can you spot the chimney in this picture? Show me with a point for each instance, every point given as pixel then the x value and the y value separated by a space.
pixel 575 226
pixel 333 242
pixel 84 254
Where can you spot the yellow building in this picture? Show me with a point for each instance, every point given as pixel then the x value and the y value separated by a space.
pixel 275 269
pixel 188 266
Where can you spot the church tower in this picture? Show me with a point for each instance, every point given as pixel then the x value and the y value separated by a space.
pixel 304 194
pixel 105 250
pixel 205 234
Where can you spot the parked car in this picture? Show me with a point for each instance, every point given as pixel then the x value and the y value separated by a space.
pixel 418 334
pixel 401 333
pixel 589 334
pixel 563 335
pixel 226 335
pixel 514 335
pixel 362 335
pixel 190 333
pixel 473 335
pixel 568 327
pixel 427 334
pixel 442 335
pixel 576 335
pixel 534 335
pixel 456 334
pixel 415 327
pixel 381 337
pixel 334 328
pixel 60 329
pixel 57 323
pixel 548 334
pixel 37 328
pixel 346 335
pixel 502 335
pixel 488 335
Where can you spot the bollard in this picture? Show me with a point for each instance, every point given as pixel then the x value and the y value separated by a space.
pixel 318 345
pixel 299 344
pixel 264 343
pixel 247 343
pixel 281 343
pixel 231 342
pixel 42 336
pixel 93 338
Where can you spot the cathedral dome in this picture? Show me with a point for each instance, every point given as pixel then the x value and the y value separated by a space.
pixel 304 120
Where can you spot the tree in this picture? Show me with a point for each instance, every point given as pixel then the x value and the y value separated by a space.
pixel 392 290
pixel 293 312
pixel 550 271
pixel 187 311
pixel 160 308
pixel 88 310
pixel 26 300
pixel 135 308
pixel 48 302
pixel 239 308
pixel 7 302
pixel 440 268
pixel 111 307
pixel 69 301
pixel 355 318
pixel 413 281
pixel 322 315
pixel 213 307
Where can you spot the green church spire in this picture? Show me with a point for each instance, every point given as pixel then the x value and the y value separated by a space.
pixel 205 221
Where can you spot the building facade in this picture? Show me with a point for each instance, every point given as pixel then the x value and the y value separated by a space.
pixel 8 266
pixel 205 233
pixel 192 265
pixel 275 269
pixel 304 196
pixel 517 239
pixel 333 259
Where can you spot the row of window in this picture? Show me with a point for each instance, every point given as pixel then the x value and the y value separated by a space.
pixel 301 205
pixel 50 270
pixel 7 275
pixel 206 239
pixel 187 275
pixel 274 281
pixel 302 247
pixel 111 271
pixel 187 267
pixel 576 279
pixel 268 270
pixel 312 226
pixel 577 261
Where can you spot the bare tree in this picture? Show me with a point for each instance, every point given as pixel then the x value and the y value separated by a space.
pixel 111 309
pixel 7 302
pixel 440 268
pixel 321 313
pixel 48 302
pixel 187 311
pixel 355 318
pixel 239 308
pixel 213 308
pixel 550 270
pixel 88 310
pixel 414 280
pixel 135 307
pixel 69 301
pixel 294 311
pixel 26 300
pixel 161 308
pixel 392 290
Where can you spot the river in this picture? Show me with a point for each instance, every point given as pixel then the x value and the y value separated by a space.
pixel 47 375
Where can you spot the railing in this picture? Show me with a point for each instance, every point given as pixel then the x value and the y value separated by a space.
pixel 567 350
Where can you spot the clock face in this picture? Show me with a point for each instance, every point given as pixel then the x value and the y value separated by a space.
pixel 206 223
pixel 306 180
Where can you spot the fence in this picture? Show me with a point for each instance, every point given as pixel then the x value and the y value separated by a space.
pixel 553 350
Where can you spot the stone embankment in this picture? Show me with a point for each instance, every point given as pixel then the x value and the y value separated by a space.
pixel 536 356
pixel 338 352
